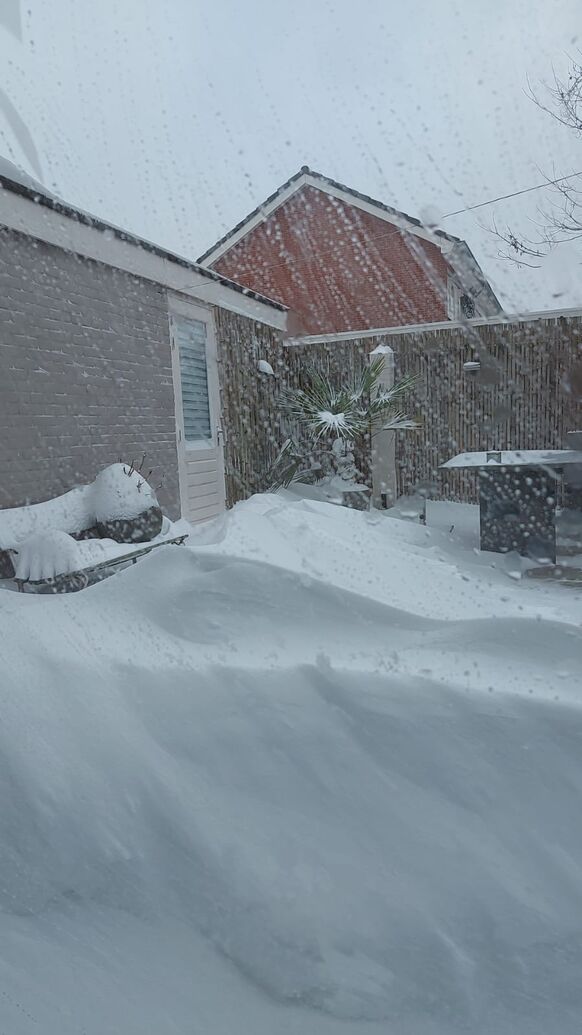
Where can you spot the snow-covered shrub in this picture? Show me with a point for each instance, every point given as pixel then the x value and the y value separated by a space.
pixel 120 491
pixel 125 506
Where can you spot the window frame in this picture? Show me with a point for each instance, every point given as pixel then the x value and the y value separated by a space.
pixel 185 310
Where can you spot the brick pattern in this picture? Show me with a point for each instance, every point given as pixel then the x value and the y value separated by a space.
pixel 85 373
pixel 339 268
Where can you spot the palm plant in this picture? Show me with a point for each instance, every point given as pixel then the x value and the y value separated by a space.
pixel 341 414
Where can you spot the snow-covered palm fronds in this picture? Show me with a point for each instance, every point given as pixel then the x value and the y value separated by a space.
pixel 383 405
pixel 348 412
pixel 340 415
pixel 324 409
pixel 290 466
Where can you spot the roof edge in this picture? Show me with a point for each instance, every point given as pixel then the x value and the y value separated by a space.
pixel 480 275
pixel 95 223
pixel 304 170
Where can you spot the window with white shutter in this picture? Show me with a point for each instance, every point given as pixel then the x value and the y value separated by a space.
pixel 191 342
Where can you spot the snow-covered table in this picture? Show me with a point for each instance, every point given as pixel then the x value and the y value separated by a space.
pixel 517 496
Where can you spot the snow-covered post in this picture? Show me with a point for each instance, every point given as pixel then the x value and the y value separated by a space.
pixel 384 442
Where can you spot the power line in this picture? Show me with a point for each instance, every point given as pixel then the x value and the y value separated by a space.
pixel 403 229
pixel 515 194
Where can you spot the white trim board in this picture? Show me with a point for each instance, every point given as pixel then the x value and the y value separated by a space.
pixel 443 325
pixel 43 223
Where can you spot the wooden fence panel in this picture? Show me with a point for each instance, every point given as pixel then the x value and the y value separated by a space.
pixel 524 396
pixel 527 394
pixel 251 410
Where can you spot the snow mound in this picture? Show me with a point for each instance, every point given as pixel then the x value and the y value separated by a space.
pixel 312 772
pixel 120 492
pixel 46 555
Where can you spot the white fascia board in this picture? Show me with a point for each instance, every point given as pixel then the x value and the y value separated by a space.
pixel 396 220
pixel 44 224
pixel 259 217
pixel 470 277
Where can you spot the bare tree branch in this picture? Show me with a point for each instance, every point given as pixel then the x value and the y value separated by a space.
pixel 560 219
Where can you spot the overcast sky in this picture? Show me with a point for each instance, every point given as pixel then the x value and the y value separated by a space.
pixel 174 118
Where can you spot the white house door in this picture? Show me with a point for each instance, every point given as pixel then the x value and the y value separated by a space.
pixel 198 419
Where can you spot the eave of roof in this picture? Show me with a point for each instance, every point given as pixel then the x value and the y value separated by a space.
pixel 55 205
pixel 380 205
pixel 481 278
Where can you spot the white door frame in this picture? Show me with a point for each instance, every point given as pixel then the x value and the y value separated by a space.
pixel 191 452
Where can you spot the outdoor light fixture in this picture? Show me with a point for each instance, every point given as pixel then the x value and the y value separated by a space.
pixel 472 366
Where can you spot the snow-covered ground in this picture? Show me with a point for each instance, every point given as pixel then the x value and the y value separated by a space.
pixel 317 771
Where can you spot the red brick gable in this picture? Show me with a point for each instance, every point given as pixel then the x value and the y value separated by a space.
pixel 339 268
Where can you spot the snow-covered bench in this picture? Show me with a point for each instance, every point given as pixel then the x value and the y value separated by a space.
pixel 78 538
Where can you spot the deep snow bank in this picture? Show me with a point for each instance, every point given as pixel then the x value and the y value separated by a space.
pixel 317 772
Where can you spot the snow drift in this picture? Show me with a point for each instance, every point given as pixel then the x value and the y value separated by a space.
pixel 318 771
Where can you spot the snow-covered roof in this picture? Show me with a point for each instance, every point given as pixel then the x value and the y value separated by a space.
pixel 20 183
pixel 17 175
pixel 515 458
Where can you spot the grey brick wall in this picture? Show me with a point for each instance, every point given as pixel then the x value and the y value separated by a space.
pixel 85 373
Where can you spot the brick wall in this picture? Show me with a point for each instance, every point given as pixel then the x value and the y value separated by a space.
pixel 339 268
pixel 85 373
